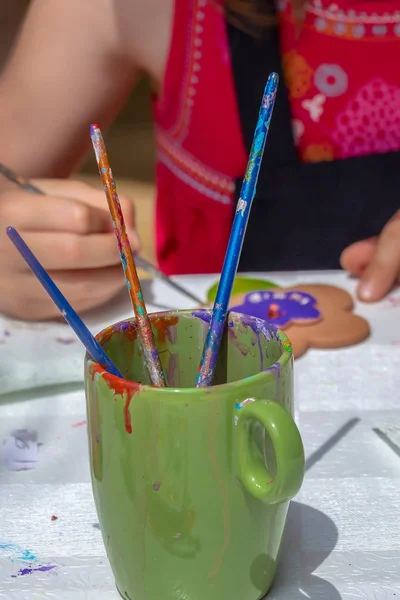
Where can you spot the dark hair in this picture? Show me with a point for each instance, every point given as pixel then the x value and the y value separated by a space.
pixel 252 16
pixel 256 16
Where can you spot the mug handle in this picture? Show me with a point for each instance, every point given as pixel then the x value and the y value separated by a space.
pixel 288 447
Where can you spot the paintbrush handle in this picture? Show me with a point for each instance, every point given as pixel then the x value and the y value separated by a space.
pixel 212 344
pixel 24 184
pixel 91 344
pixel 152 359
pixel 153 270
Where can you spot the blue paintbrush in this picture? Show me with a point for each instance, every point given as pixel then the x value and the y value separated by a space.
pixel 220 310
pixel 91 344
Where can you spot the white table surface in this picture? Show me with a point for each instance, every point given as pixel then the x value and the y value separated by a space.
pixel 343 534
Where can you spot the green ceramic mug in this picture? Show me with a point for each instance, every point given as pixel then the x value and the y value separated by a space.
pixel 192 486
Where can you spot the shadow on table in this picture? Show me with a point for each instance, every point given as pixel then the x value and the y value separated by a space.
pixel 310 537
pixel 318 454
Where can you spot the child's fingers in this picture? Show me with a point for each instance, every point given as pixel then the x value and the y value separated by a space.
pixel 26 212
pixel 65 251
pixel 384 269
pixel 356 257
pixel 83 289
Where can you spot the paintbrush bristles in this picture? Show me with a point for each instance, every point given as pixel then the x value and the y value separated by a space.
pixel 151 356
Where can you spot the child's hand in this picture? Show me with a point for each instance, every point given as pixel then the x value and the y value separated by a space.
pixel 70 231
pixel 376 261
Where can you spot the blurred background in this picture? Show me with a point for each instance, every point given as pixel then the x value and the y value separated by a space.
pixel 130 141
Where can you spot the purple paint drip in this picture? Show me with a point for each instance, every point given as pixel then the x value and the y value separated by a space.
pixel 125 326
pixel 30 570
pixel 66 341
pixel 172 370
pixel 243 349
pixel 260 329
pixel 276 370
pixel 204 315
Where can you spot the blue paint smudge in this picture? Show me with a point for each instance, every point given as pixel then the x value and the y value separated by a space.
pixel 123 260
pixel 17 552
pixel 27 555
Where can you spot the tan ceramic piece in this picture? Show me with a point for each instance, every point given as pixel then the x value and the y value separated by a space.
pixel 337 327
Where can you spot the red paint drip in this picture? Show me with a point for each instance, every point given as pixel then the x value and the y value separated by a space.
pixel 120 387
pixel 162 325
pixel 127 415
pixel 79 424
pixel 105 335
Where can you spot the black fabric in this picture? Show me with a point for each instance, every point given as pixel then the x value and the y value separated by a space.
pixel 304 214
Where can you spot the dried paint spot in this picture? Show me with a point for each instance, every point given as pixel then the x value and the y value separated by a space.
pixel 240 405
pixel 241 206
pixel 20 450
pixel 161 326
pixel 18 553
pixel 246 402
pixel 65 341
pixel 54 518
pixel 30 570
pixel 177 536
pixel 78 424
pixel 156 486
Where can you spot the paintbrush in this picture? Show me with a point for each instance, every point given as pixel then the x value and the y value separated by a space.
pixel 152 359
pixel 141 262
pixel 153 270
pixel 91 344
pixel 20 181
pixel 220 310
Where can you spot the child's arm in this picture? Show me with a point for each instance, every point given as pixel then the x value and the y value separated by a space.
pixel 67 70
